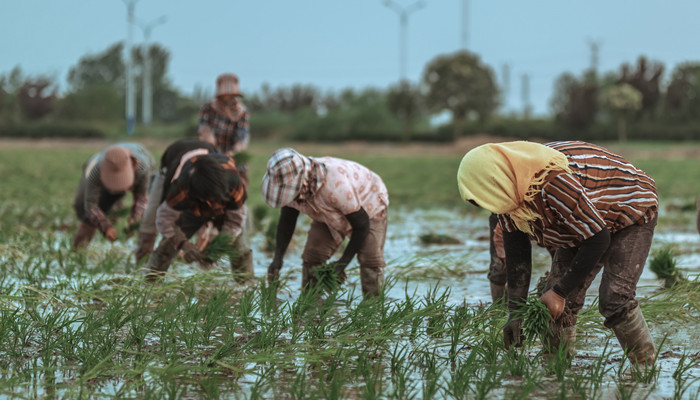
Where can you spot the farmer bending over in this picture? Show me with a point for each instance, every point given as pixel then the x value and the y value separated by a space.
pixel 342 198
pixel 204 188
pixel 175 154
pixel 105 179
pixel 593 206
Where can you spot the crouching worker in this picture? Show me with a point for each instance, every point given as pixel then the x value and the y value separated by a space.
pixel 342 198
pixel 105 180
pixel 174 155
pixel 204 188
pixel 598 211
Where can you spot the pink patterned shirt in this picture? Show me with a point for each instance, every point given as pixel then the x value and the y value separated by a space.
pixel 348 187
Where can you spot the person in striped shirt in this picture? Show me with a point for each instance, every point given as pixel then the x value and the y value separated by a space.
pixel 597 209
pixel 204 188
pixel 105 180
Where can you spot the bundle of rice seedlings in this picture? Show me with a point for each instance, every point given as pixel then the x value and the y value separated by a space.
pixel 326 277
pixel 221 246
pixel 438 238
pixel 663 263
pixel 536 319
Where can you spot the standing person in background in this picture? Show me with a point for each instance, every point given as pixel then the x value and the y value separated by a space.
pixel 204 188
pixel 597 209
pixel 342 198
pixel 174 156
pixel 225 121
pixel 105 179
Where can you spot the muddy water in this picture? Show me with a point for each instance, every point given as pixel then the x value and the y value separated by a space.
pixel 463 268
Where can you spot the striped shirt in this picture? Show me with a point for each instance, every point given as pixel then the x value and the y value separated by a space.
pixel 604 190
pixel 142 177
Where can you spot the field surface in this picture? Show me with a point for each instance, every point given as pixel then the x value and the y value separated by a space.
pixel 85 325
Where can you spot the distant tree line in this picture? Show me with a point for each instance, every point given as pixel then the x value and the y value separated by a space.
pixel 633 102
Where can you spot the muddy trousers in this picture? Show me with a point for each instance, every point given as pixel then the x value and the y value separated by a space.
pixel 320 247
pixel 162 257
pixel 622 265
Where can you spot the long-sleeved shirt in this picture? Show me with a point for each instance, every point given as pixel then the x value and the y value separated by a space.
pixel 231 134
pixel 178 199
pixel 145 168
pixel 604 190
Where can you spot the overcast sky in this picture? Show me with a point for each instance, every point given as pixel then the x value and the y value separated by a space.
pixel 334 44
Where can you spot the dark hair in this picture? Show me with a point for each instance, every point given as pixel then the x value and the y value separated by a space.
pixel 208 180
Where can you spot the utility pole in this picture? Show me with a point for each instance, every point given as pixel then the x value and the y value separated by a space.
pixel 527 108
pixel 506 85
pixel 465 18
pixel 130 92
pixel 403 13
pixel 595 49
pixel 147 95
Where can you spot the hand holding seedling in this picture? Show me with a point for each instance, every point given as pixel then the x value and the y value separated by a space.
pixel 273 270
pixel 111 234
pixel 513 332
pixel 191 253
pixel 340 270
pixel 555 303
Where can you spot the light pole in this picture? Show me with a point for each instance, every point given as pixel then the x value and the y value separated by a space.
pixel 130 92
pixel 403 13
pixel 147 96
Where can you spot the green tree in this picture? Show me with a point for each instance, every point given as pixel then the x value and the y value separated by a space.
pixel 574 102
pixel 37 97
pixel 623 100
pixel 683 92
pixel 406 103
pixel 106 68
pixel 462 84
pixel 646 78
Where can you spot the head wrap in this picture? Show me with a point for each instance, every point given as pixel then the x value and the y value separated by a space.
pixel 291 176
pixel 501 177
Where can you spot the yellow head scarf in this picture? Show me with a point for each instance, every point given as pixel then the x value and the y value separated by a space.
pixel 501 177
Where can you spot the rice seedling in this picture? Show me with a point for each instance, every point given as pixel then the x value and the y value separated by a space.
pixel 663 263
pixel 327 277
pixel 221 247
pixel 536 319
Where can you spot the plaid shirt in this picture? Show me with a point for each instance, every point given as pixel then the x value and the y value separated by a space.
pixel 142 177
pixel 232 136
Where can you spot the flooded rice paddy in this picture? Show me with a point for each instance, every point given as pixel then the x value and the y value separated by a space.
pixel 84 325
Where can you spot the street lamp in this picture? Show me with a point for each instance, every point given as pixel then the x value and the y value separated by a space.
pixel 147 97
pixel 403 12
pixel 130 92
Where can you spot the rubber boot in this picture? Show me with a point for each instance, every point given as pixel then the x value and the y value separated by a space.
pixel 372 280
pixel 634 337
pixel 308 280
pixel 84 235
pixel 497 291
pixel 160 260
pixel 242 265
